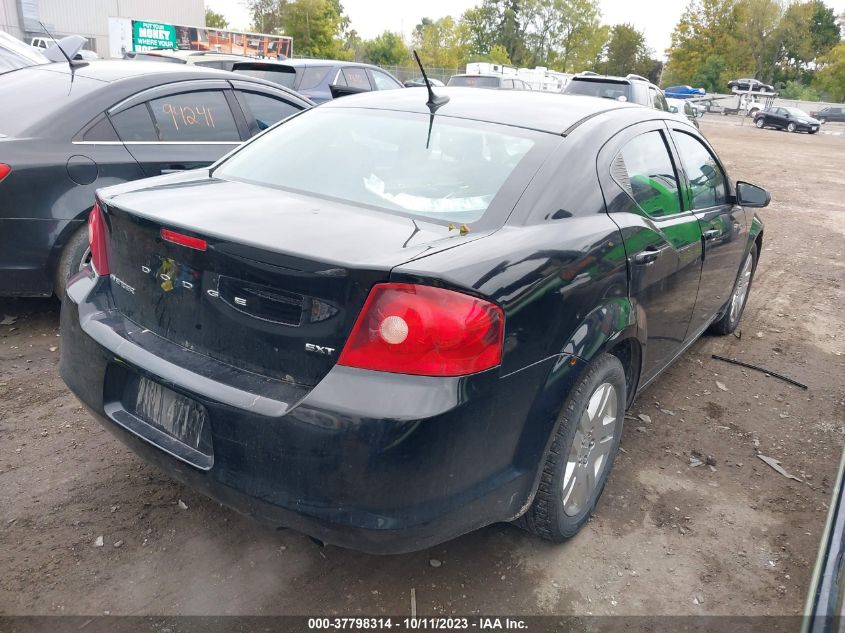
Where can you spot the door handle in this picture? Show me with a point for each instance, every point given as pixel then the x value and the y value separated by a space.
pixel 712 234
pixel 644 258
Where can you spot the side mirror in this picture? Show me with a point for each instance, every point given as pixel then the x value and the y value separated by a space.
pixel 749 195
pixel 673 109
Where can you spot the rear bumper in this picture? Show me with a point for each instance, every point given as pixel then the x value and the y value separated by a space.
pixel 378 462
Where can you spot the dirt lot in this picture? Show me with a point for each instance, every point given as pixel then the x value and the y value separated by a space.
pixel 667 538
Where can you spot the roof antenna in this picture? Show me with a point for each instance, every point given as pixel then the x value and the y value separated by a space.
pixel 434 101
pixel 59 46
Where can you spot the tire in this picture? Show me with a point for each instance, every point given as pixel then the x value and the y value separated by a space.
pixel 729 321
pixel 74 257
pixel 760 122
pixel 812 131
pixel 563 505
pixel 791 127
pixel 822 121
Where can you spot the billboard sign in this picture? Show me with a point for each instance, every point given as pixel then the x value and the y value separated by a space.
pixel 152 35
pixel 140 36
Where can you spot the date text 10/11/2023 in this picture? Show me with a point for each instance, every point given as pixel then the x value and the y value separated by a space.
pixel 417 623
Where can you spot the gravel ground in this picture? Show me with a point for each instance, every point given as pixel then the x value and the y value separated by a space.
pixel 667 538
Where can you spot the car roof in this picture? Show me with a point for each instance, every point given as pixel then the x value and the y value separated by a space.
pixel 547 112
pixel 109 70
pixel 323 62
pixel 484 75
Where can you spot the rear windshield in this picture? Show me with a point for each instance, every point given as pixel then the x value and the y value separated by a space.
pixel 386 160
pixel 283 76
pixel 474 82
pixel 604 89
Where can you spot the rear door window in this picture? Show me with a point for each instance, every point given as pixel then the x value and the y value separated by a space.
pixel 266 110
pixel 356 77
pixel 383 81
pixel 135 124
pixel 313 77
pixel 201 116
pixel 644 169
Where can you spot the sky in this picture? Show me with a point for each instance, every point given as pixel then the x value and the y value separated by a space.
pixel 655 18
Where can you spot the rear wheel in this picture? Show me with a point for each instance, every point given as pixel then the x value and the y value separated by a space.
pixel 791 127
pixel 822 120
pixel 760 123
pixel 739 297
pixel 74 258
pixel 585 443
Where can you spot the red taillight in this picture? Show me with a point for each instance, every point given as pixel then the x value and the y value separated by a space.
pixel 97 240
pixel 5 170
pixel 425 331
pixel 184 240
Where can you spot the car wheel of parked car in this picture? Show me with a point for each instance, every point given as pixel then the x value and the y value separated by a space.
pixel 790 127
pixel 739 297
pixel 74 258
pixel 760 123
pixel 822 120
pixel 585 443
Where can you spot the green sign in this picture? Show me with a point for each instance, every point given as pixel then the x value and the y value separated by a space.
pixel 150 35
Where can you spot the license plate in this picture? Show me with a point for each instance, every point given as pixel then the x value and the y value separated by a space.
pixel 178 416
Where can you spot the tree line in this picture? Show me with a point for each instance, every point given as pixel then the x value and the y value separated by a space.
pixel 797 47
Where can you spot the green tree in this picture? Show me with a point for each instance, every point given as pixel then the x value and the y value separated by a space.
pixel 316 26
pixel 626 52
pixel 442 43
pixel 830 77
pixel 215 20
pixel 824 28
pixel 706 31
pixel 388 49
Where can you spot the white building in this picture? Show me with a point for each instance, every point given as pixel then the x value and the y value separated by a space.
pixel 90 18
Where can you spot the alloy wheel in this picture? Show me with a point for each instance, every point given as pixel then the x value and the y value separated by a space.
pixel 743 283
pixel 790 127
pixel 591 446
pixel 760 123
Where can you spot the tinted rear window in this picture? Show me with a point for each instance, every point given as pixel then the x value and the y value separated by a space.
pixel 310 78
pixel 385 160
pixel 604 89
pixel 283 76
pixel 475 82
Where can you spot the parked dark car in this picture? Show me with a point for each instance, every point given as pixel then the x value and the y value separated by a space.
pixel 683 92
pixel 324 79
pixel 829 113
pixel 64 134
pixel 789 119
pixel 747 83
pixel 491 81
pixel 386 327
pixel 631 88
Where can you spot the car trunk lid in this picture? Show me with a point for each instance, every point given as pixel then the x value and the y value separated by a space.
pixel 279 283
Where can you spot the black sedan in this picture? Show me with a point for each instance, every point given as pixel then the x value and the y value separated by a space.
pixel 789 119
pixel 390 321
pixel 65 132
pixel 749 83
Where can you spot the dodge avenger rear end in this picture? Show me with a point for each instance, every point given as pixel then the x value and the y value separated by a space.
pixel 386 322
